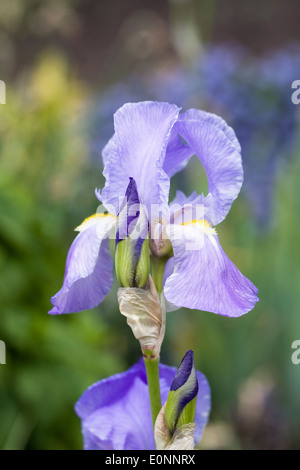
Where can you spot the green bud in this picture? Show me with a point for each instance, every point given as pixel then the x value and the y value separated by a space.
pixel 132 260
pixel 181 403
pixel 132 265
pixel 158 265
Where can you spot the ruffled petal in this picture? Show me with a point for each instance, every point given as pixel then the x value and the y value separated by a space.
pixel 204 278
pixel 115 412
pixel 184 208
pixel 215 144
pixel 181 198
pixel 177 155
pixel 137 150
pixel 89 267
pixel 107 149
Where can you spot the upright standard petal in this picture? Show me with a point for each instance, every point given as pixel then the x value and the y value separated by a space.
pixel 177 155
pixel 115 412
pixel 204 278
pixel 214 142
pixel 137 150
pixel 89 267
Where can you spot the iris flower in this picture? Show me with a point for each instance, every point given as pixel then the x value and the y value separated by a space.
pixel 152 142
pixel 115 412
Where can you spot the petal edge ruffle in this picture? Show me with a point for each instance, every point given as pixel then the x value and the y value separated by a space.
pixel 204 278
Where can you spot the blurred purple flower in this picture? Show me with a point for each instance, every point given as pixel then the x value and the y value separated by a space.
pixel 247 90
pixel 256 100
pixel 152 142
pixel 115 412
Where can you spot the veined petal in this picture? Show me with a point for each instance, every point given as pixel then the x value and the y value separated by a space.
pixel 204 278
pixel 119 425
pixel 215 144
pixel 177 155
pixel 107 149
pixel 89 267
pixel 181 198
pixel 137 150
pixel 187 208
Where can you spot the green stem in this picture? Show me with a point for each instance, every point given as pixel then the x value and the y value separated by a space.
pixel 158 268
pixel 152 370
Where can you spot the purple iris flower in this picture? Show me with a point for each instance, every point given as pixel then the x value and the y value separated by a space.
pixel 116 415
pixel 151 143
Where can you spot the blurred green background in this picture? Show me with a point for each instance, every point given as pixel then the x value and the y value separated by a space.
pixel 68 65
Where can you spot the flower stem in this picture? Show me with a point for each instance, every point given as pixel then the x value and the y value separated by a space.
pixel 152 370
pixel 158 268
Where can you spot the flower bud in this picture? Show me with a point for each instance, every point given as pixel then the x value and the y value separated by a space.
pixel 160 243
pixel 181 403
pixel 132 259
pixel 182 438
pixel 174 427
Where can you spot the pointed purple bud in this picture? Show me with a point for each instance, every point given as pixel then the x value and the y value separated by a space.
pixel 132 242
pixel 181 403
